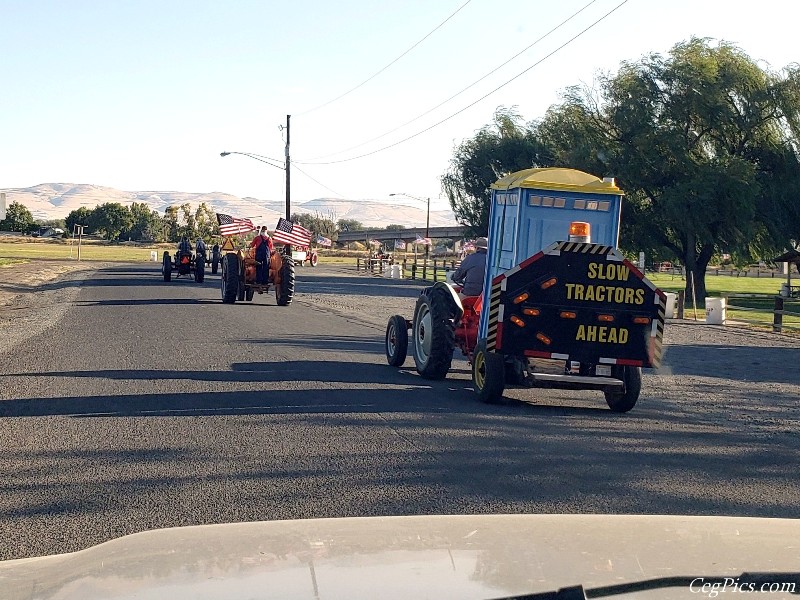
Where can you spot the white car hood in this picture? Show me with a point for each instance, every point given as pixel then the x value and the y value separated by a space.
pixel 480 556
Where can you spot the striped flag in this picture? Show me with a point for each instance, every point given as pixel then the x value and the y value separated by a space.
pixel 422 240
pixel 291 234
pixel 229 225
pixel 323 241
pixel 399 245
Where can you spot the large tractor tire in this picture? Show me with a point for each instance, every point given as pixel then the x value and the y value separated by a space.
pixel 488 374
pixel 626 399
pixel 166 266
pixel 284 291
pixel 433 333
pixel 230 278
pixel 314 260
pixel 199 268
pixel 396 341
pixel 214 260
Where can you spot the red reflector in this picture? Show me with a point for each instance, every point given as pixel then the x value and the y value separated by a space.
pixel 517 321
pixel 531 312
pixel 566 314
pixel 641 320
pixel 630 363
pixel 607 318
pixel 543 338
pixel 521 298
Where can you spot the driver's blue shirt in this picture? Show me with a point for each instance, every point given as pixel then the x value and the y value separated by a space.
pixel 471 272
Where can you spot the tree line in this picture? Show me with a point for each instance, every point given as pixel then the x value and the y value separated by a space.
pixel 703 141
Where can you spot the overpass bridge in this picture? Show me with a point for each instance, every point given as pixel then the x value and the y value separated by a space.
pixel 407 235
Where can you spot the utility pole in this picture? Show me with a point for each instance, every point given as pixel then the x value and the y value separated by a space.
pixel 288 165
pixel 428 229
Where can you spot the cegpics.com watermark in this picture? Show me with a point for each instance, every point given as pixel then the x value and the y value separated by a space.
pixel 712 587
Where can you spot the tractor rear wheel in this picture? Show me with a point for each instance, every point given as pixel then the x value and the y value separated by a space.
pixel 626 399
pixel 199 268
pixel 230 278
pixel 314 261
pixel 166 266
pixel 284 291
pixel 396 341
pixel 488 374
pixel 433 332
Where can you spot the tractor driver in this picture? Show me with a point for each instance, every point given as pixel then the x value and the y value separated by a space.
pixel 184 245
pixel 262 244
pixel 472 270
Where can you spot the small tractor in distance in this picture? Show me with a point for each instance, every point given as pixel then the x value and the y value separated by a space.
pixel 557 310
pixel 183 263
pixel 305 254
pixel 239 277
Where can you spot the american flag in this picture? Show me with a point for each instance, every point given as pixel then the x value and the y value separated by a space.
pixel 292 234
pixel 323 241
pixel 399 245
pixel 422 240
pixel 229 225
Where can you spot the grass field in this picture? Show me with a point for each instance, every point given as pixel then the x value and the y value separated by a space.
pixel 61 251
pixel 7 262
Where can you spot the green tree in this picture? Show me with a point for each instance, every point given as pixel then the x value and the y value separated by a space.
pixel 110 220
pixel 79 216
pixel 349 225
pixel 169 222
pixel 394 227
pixel 315 223
pixel 206 221
pixel 18 218
pixel 703 142
pixel 145 223
pixel 502 147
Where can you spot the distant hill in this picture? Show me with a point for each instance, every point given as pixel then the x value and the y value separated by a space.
pixel 56 200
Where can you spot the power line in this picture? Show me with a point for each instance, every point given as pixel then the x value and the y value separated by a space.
pixel 411 137
pixel 339 97
pixel 294 166
pixel 471 85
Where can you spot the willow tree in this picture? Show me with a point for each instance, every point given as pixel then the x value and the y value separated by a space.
pixel 704 142
pixel 502 147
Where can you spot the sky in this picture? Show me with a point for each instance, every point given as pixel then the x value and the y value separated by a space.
pixel 143 95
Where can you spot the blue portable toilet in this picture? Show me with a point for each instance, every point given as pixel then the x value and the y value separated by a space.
pixel 534 208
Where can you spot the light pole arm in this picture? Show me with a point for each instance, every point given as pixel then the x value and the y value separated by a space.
pixel 265 159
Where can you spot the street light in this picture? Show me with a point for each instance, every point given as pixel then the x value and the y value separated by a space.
pixel 427 217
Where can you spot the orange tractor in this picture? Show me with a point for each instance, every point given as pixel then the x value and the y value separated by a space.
pixel 240 282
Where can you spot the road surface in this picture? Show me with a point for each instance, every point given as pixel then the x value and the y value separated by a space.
pixel 146 404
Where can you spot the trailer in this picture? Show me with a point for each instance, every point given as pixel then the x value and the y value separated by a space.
pixel 561 306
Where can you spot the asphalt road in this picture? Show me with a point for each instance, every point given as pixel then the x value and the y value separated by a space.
pixel 149 404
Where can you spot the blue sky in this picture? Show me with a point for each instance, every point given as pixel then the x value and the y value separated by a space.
pixel 144 95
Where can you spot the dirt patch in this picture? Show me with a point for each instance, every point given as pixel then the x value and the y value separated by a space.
pixel 25 277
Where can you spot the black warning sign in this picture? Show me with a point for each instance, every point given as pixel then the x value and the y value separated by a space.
pixel 582 301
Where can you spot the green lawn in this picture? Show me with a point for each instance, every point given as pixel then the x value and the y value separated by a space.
pixel 60 251
pixel 7 262
pixel 721 285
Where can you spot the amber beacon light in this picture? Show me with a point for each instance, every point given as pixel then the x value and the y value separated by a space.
pixel 580 232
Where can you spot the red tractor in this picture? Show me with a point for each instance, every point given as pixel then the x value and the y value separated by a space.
pixel 305 254
pixel 239 277
pixel 557 310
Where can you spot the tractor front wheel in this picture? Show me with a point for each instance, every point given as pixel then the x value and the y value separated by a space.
pixel 396 341
pixel 284 291
pixel 166 266
pixel 434 334
pixel 230 278
pixel 626 399
pixel 488 374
